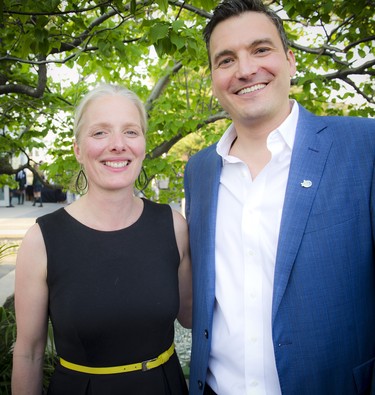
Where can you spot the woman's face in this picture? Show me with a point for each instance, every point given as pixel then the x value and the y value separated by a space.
pixel 111 145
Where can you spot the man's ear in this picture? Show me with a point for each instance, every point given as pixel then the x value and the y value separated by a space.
pixel 292 62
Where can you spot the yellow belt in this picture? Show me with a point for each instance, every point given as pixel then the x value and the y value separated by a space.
pixel 144 366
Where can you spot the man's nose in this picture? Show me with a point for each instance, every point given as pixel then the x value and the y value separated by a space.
pixel 246 66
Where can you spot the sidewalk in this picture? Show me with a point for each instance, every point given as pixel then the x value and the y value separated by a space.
pixel 14 222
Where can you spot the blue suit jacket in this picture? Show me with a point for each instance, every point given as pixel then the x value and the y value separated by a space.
pixel 323 313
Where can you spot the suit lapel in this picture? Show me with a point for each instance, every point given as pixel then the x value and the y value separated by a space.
pixel 211 192
pixel 206 185
pixel 310 152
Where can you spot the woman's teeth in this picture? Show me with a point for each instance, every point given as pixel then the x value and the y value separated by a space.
pixel 117 164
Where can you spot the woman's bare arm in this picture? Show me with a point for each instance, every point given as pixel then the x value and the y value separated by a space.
pixel 184 272
pixel 31 304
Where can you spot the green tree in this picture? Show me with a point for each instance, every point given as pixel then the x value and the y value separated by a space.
pixel 155 48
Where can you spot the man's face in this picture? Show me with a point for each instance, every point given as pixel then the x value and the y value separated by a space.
pixel 250 70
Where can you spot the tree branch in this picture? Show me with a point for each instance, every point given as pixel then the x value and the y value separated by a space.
pixel 355 87
pixel 344 73
pixel 361 41
pixel 191 8
pixel 160 86
pixel 325 50
pixel 28 90
pixel 165 146
pixel 341 74
pixel 57 13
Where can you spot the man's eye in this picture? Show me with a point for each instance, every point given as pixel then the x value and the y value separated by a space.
pixel 262 50
pixel 225 62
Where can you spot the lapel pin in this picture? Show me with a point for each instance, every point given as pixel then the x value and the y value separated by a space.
pixel 306 183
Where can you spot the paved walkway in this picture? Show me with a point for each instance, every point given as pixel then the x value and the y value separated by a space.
pixel 14 222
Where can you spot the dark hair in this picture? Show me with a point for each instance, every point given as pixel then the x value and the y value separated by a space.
pixel 229 8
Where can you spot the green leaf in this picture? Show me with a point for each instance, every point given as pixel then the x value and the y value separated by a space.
pixel 133 6
pixel 159 31
pixel 177 40
pixel 163 4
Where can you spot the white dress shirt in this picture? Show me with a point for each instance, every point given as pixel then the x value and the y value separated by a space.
pixel 242 359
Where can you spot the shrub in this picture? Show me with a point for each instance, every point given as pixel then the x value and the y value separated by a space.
pixel 7 340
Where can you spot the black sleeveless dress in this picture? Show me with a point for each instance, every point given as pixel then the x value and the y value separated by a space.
pixel 113 300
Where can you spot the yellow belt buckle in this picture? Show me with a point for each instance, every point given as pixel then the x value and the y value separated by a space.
pixel 144 364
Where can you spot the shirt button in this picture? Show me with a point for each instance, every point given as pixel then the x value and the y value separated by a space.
pixel 206 334
pixel 254 384
pixel 251 252
pixel 200 384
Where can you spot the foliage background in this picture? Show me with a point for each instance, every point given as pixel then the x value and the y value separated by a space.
pixel 53 51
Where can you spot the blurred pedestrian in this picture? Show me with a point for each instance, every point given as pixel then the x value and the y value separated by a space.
pixel 22 181
pixel 37 186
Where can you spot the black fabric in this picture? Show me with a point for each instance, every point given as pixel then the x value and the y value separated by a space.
pixel 113 300
pixel 208 390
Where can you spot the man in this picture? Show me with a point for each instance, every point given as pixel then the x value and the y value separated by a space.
pixel 282 221
pixel 37 186
pixel 22 181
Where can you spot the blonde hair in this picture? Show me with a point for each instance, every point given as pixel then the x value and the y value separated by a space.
pixel 108 90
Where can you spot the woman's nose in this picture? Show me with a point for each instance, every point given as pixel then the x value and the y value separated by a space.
pixel 117 142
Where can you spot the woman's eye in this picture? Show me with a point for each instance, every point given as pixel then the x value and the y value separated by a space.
pixel 98 133
pixel 131 132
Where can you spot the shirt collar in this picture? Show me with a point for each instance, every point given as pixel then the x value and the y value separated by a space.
pixel 287 131
pixel 288 128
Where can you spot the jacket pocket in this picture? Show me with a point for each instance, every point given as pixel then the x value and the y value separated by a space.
pixel 333 217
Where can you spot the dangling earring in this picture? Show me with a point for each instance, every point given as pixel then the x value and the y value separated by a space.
pixel 81 181
pixel 142 180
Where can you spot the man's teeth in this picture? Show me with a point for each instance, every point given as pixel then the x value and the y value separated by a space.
pixel 252 89
pixel 116 164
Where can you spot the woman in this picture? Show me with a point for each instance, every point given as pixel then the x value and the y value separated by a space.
pixel 111 270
